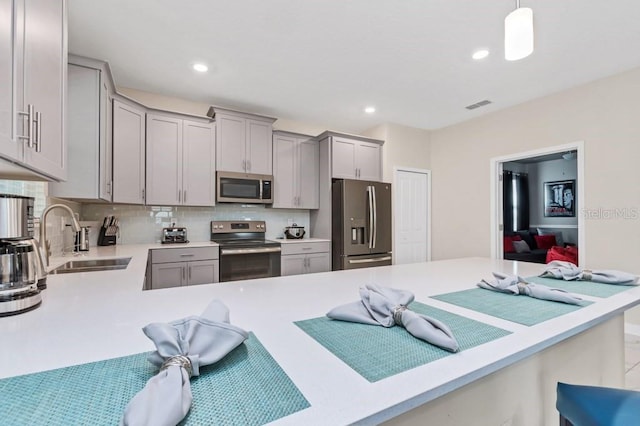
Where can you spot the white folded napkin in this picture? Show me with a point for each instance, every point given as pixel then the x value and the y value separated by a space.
pixel 388 307
pixel 569 272
pixel 515 285
pixel 183 346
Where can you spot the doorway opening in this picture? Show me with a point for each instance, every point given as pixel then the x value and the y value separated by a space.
pixel 537 197
pixel 411 215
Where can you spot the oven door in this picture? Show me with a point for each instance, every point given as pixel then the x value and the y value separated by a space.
pixel 248 263
pixel 243 188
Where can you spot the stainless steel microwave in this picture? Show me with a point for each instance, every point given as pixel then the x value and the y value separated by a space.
pixel 244 188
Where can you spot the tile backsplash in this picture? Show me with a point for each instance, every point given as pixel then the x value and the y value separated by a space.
pixel 143 224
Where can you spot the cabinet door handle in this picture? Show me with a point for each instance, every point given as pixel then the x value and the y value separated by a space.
pixel 189 273
pixel 142 194
pixel 244 165
pixel 184 273
pixel 30 119
pixel 38 142
pixel 184 196
pixel 178 195
pixel 109 187
pixel 248 165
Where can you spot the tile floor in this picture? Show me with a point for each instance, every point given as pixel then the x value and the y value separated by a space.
pixel 632 361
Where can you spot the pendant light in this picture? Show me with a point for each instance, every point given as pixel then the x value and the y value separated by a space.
pixel 518 33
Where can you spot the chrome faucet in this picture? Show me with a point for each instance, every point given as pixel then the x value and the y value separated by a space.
pixel 44 243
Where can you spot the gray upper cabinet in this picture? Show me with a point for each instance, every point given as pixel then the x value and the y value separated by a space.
pixel 164 160
pixel 356 159
pixel 296 176
pixel 34 66
pixel 128 153
pixel 9 147
pixel 180 161
pixel 89 126
pixel 199 159
pixel 243 142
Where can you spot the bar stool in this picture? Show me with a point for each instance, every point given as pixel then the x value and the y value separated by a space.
pixel 597 406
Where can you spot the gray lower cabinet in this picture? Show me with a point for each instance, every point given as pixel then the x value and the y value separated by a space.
pixel 305 257
pixel 176 267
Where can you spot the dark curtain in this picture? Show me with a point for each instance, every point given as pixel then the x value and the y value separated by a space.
pixel 515 189
pixel 507 204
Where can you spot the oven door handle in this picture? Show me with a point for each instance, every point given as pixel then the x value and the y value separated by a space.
pixel 227 252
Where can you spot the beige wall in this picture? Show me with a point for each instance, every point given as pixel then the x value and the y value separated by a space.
pixel 157 101
pixel 154 100
pixel 404 146
pixel 604 114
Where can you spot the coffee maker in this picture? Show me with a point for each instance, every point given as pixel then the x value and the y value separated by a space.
pixel 22 272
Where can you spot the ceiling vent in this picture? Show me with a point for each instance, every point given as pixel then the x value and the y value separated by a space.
pixel 478 104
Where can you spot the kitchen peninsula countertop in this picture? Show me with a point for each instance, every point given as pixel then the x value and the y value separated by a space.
pixel 93 316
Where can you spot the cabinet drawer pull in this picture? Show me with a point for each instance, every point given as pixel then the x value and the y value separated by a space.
pixel 307 248
pixel 187 255
pixel 38 142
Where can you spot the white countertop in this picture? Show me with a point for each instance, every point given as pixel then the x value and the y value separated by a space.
pixel 92 316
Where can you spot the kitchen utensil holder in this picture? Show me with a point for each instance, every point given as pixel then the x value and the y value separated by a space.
pixel 107 236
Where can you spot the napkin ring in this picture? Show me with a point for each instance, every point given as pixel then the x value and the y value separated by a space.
pixel 397 314
pixel 522 287
pixel 587 274
pixel 180 361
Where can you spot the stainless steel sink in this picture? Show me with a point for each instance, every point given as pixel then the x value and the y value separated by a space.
pixel 92 265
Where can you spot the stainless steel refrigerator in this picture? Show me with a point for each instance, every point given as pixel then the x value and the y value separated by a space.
pixel 361 224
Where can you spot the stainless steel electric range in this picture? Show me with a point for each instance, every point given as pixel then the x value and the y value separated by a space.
pixel 244 251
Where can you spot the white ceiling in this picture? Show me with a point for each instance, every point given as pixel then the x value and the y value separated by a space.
pixel 323 61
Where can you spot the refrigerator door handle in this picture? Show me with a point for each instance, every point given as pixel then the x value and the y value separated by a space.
pixel 371 218
pixel 370 260
pixel 375 217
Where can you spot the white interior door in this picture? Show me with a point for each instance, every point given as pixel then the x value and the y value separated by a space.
pixel 411 213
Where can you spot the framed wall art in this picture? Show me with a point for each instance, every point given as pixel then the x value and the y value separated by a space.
pixel 559 198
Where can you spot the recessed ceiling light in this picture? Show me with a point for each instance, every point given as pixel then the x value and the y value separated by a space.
pixel 370 110
pixel 200 67
pixel 480 54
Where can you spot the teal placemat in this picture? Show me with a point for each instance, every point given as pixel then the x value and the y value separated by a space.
pixel 377 353
pixel 247 387
pixel 588 288
pixel 521 309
